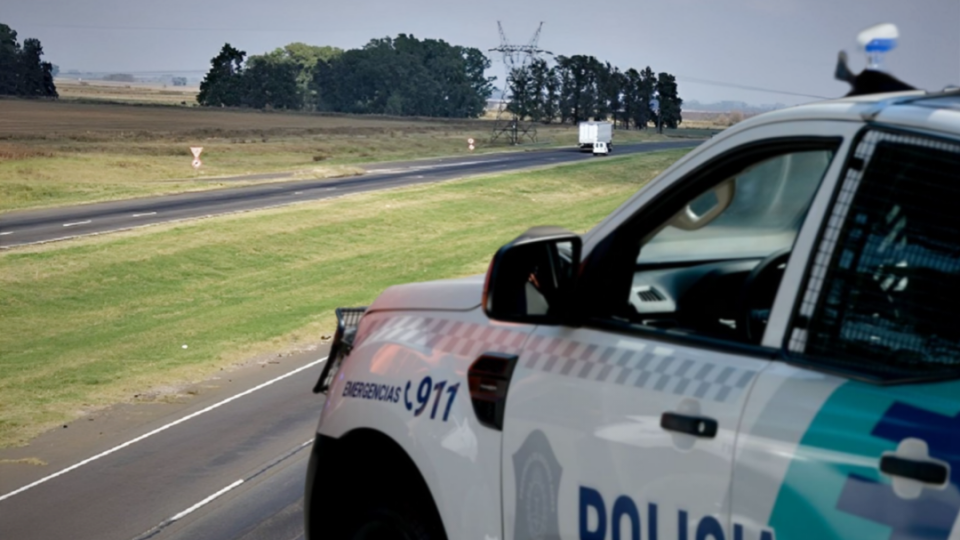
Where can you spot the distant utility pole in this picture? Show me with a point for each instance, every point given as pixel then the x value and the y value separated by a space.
pixel 508 124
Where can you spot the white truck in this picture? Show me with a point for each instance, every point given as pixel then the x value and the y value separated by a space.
pixel 596 137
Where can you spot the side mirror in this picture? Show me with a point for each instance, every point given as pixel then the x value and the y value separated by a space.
pixel 532 279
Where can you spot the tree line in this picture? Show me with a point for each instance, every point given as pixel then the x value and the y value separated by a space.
pixel 402 76
pixel 406 76
pixel 22 72
pixel 579 88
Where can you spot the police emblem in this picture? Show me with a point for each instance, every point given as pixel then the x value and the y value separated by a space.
pixel 537 473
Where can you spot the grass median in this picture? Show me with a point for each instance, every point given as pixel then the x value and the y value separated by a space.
pixel 99 320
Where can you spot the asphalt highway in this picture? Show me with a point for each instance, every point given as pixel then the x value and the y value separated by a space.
pixel 32 226
pixel 229 465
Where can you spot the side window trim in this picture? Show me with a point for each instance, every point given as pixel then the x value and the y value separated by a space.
pixel 808 239
pixel 698 179
pixel 828 232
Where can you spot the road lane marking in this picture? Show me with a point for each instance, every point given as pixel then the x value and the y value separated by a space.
pixel 298 193
pixel 77 223
pixel 145 214
pixel 160 429
pixel 169 521
pixel 205 501
pixel 6 233
pixel 414 168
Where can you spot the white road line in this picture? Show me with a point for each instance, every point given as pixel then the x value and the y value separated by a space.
pixel 6 233
pixel 205 501
pixel 169 521
pixel 77 223
pixel 145 214
pixel 414 168
pixel 159 429
pixel 298 193
pixel 329 189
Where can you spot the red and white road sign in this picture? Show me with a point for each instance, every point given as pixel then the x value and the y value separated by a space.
pixel 196 151
pixel 470 147
pixel 197 163
pixel 470 142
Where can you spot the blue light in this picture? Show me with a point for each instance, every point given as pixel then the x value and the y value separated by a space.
pixel 881 45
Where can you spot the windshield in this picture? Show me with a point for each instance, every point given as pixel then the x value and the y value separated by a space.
pixel 770 201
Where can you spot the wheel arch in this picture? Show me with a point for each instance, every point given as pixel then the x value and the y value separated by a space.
pixel 385 463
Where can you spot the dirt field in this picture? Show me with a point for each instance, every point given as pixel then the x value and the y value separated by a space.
pixel 52 120
pixel 66 152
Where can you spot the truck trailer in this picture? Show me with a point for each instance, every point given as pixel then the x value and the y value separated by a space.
pixel 596 137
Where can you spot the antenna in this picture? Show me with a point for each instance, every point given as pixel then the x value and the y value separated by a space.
pixel 508 124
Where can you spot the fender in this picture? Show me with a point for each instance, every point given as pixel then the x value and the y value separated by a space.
pixel 407 379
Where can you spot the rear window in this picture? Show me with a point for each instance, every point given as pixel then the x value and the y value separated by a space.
pixel 890 300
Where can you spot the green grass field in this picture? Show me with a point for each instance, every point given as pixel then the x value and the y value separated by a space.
pixel 94 321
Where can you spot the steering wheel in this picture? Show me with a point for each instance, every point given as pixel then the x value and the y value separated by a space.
pixel 757 294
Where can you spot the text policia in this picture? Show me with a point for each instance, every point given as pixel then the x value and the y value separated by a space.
pixel 597 519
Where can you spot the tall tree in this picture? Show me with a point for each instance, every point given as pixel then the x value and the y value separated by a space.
pixel 645 93
pixel 670 102
pixel 22 70
pixel 613 89
pixel 223 85
pixel 404 76
pixel 631 96
pixel 9 61
pixel 539 76
pixel 478 87
pixel 523 101
pixel 271 82
pixel 36 76
pixel 551 96
pixel 305 57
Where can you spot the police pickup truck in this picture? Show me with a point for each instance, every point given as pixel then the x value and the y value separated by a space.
pixel 763 343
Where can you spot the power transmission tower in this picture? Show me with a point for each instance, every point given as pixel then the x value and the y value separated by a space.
pixel 509 125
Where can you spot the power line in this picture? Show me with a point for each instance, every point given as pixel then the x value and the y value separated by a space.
pixel 168 28
pixel 697 80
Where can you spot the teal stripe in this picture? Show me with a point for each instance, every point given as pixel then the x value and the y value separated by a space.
pixel 838 443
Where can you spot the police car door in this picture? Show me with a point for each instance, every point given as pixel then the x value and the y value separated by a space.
pixel 859 436
pixel 625 426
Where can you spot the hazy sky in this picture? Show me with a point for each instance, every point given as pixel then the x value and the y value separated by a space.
pixel 785 45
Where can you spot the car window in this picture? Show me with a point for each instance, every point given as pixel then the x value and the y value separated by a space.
pixel 889 293
pixel 712 264
pixel 769 203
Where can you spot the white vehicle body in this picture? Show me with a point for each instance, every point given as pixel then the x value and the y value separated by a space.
pixel 592 443
pixel 593 134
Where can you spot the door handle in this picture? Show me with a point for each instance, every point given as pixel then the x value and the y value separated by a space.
pixel 698 426
pixel 927 472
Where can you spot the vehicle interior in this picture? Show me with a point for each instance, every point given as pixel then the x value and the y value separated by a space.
pixel 714 267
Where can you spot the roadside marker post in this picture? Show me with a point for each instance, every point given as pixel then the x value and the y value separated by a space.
pixel 196 150
pixel 470 144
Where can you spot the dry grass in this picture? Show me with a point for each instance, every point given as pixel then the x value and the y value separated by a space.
pixel 57 153
pixel 118 92
pixel 37 462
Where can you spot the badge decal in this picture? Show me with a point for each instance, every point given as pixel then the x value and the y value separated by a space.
pixel 537 473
